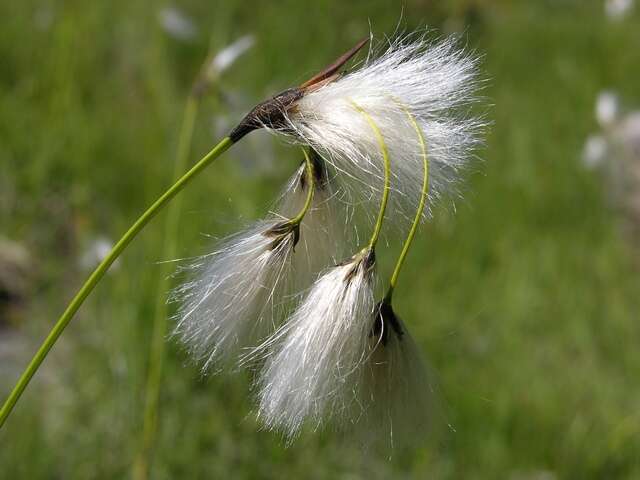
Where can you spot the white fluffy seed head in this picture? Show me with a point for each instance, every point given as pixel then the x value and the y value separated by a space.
pixel 397 394
pixel 238 294
pixel 311 373
pixel 234 297
pixel 436 82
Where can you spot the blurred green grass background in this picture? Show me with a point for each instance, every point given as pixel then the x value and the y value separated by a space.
pixel 526 300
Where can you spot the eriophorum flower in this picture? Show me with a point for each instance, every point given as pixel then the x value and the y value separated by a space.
pixel 397 405
pixel 317 355
pixel 232 299
pixel 435 82
pixel 237 294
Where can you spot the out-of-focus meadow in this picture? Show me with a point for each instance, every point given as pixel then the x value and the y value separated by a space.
pixel 526 299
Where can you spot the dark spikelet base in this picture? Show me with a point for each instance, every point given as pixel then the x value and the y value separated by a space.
pixel 365 260
pixel 270 113
pixel 385 321
pixel 280 233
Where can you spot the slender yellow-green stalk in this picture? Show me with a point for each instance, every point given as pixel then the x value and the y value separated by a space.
pixel 157 348
pixel 387 176
pixel 99 272
pixel 310 181
pixel 416 221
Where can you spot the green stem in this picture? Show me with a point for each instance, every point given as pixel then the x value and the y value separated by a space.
pixel 311 182
pixel 416 221
pixel 169 249
pixel 387 176
pixel 99 272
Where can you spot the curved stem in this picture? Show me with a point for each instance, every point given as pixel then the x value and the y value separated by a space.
pixel 387 176
pixel 416 221
pixel 312 186
pixel 99 272
pixel 169 250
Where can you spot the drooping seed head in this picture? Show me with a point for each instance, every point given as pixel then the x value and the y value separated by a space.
pixel 433 82
pixel 314 361
pixel 397 400
pixel 233 297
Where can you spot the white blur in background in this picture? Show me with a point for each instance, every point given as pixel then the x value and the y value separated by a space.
pixel 95 252
pixel 618 9
pixel 615 153
pixel 177 24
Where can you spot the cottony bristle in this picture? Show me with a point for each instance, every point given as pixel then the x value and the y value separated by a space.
pixel 233 300
pixel 240 292
pixel 397 394
pixel 435 82
pixel 318 354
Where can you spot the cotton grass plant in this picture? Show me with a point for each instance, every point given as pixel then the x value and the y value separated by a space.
pixel 388 138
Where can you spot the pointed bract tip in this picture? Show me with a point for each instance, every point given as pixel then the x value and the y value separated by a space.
pixel 271 113
pixel 331 71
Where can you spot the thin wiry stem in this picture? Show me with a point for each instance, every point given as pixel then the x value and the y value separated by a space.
pixel 101 269
pixel 312 186
pixel 157 348
pixel 416 221
pixel 387 176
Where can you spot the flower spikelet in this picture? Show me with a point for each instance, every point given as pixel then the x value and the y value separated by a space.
pixel 319 353
pixel 397 394
pixel 435 81
pixel 233 299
